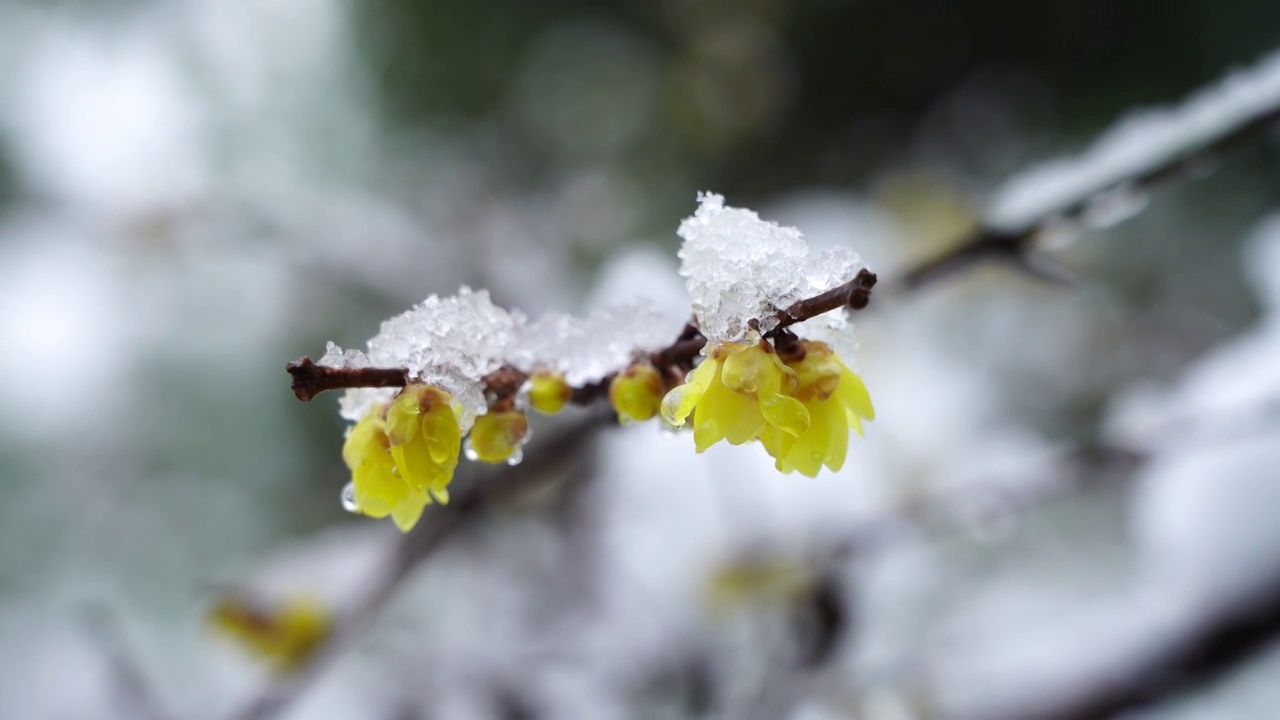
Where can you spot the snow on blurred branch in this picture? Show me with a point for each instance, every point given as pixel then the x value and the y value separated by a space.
pixel 1110 182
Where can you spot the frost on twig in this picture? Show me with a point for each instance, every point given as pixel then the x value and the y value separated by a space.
pixel 1110 182
pixel 740 269
pixel 467 345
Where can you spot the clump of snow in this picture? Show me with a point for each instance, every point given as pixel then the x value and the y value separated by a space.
pixel 450 342
pixel 739 268
pixel 587 349
pixel 454 342
pixel 1136 144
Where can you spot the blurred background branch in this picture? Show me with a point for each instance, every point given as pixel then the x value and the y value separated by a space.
pixel 553 460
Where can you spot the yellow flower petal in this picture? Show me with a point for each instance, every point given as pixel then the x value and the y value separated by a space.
pixel 785 413
pixel 853 393
pixel 736 416
pixel 756 370
pixel 777 443
pixel 377 488
pixel 837 443
pixel 404 417
pixel 407 513
pixel 414 464
pixel 706 434
pixel 680 402
pixel 366 436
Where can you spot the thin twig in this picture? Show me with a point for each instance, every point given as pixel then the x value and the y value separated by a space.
pixel 854 294
pixel 310 379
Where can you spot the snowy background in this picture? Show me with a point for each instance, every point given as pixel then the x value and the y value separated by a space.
pixel 1060 483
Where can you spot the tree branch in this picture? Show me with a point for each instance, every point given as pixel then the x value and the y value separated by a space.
pixel 1200 654
pixel 310 379
pixel 854 294
pixel 1013 244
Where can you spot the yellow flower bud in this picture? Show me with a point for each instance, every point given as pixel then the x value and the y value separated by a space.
pixel 548 392
pixel 636 393
pixel 497 436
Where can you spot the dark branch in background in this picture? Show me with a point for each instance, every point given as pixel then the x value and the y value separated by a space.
pixel 1014 245
pixel 1199 655
pixel 545 461
pixel 310 379
pixel 133 694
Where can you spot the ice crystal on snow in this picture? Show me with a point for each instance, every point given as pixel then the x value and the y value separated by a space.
pixel 738 267
pixel 450 342
pixel 587 349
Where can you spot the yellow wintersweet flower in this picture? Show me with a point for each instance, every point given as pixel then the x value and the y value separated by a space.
pixel 735 394
pixel 404 455
pixel 837 401
pixel 548 391
pixel 636 393
pixel 284 635
pixel 497 436
pixel 758 580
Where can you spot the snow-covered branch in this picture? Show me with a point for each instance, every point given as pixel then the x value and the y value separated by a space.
pixel 309 379
pixel 1111 181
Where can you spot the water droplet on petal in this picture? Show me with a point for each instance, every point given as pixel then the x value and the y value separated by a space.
pixel 470 451
pixel 349 498
pixel 817 456
pixel 667 431
pixel 516 457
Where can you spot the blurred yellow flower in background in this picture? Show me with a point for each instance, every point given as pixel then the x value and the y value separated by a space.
pixel 285 635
